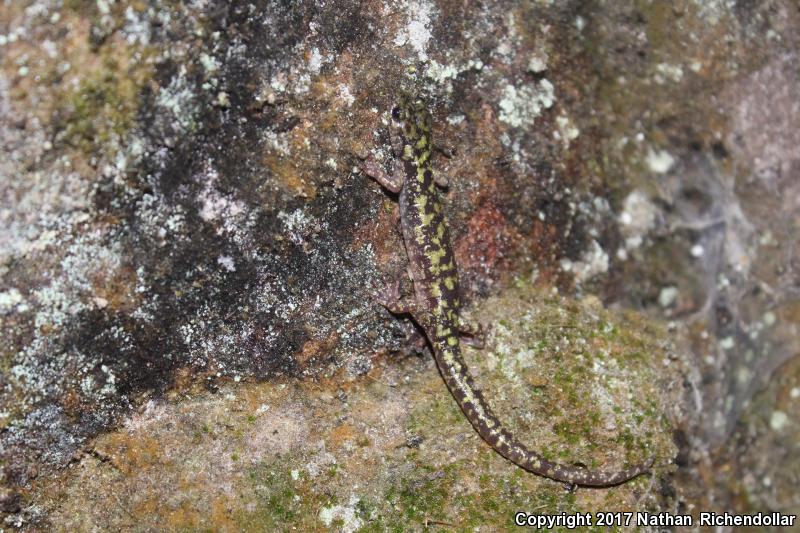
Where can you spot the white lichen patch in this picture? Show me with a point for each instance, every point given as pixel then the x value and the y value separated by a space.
pixel 12 301
pixel 511 359
pixel 728 343
pixel 87 263
pixel 215 206
pixel 445 74
pixel 441 73
pixel 227 263
pixel 345 513
pixel 510 41
pixel 222 100
pixel 87 260
pixel 637 218
pixel 209 63
pixel 778 420
pixel 298 224
pixel 668 72
pixel 227 213
pixel 179 100
pixel 207 340
pixel 320 462
pixel 151 413
pixel 603 398
pixel 593 262
pixel 537 63
pixel 416 33
pixel 659 161
pixel 520 106
pixel 165 221
pixel 667 296
pixel 567 131
pixel 455 120
pixel 137 25
pixel 346 95
pixel 316 60
pixel 278 142
pixel 715 10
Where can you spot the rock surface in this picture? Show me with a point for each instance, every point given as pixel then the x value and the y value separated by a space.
pixel 391 451
pixel 188 253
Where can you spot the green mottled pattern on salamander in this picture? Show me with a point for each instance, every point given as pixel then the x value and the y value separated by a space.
pixel 433 270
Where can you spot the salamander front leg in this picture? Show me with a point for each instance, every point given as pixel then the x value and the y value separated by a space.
pixel 441 180
pixel 373 169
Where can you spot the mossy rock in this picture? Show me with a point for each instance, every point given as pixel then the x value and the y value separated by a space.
pixel 391 451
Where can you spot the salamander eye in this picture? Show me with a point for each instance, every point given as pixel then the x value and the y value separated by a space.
pixel 396 113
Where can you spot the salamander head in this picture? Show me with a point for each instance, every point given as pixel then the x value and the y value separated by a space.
pixel 412 118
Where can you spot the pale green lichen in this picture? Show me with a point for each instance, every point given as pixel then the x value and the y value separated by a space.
pixel 519 106
pixel 179 99
pixel 347 515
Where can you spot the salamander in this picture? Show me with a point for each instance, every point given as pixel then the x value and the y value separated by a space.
pixel 435 305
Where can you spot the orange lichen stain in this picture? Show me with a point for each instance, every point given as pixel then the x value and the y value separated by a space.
pixel 185 514
pixel 148 506
pixel 314 349
pixel 71 402
pixel 287 172
pixel 131 453
pixel 329 118
pixel 341 434
pixel 265 394
pixel 115 289
pixel 182 518
pixel 221 519
pixel 188 380
pixel 789 312
pixel 327 90
pixel 338 380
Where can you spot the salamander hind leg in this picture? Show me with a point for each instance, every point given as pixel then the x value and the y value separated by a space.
pixel 393 301
pixel 473 335
pixel 391 298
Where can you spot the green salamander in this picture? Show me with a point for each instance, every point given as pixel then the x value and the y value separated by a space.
pixel 435 306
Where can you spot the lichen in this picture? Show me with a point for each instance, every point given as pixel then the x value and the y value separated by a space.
pixel 273 455
pixel 520 106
